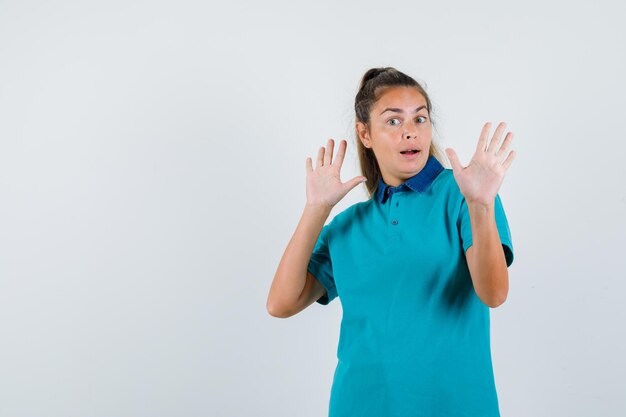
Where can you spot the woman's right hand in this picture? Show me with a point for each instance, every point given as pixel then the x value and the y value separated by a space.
pixel 323 185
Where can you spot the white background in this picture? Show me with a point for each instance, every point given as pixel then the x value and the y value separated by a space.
pixel 152 171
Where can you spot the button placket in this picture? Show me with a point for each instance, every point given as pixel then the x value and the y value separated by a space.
pixel 394 221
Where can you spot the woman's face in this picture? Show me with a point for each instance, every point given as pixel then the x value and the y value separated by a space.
pixel 399 121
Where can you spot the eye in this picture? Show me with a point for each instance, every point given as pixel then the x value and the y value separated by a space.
pixel 422 117
pixel 393 124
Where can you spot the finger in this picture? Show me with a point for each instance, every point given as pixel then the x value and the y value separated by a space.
pixel 309 165
pixel 341 152
pixel 482 140
pixel 505 146
pixel 495 141
pixel 320 157
pixel 509 160
pixel 454 159
pixel 354 182
pixel 328 156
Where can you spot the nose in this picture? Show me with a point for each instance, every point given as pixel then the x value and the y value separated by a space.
pixel 410 133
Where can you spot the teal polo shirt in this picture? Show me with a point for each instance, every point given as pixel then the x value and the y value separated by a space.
pixel 414 338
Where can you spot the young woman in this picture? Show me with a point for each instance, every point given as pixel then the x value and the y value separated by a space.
pixel 417 266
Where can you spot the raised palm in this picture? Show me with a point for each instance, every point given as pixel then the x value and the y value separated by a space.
pixel 480 181
pixel 323 185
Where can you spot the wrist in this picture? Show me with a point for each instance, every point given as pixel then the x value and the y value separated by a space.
pixel 318 209
pixel 480 207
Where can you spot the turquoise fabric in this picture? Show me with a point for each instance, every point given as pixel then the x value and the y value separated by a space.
pixel 414 338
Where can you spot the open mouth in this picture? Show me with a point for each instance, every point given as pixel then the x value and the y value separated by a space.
pixel 410 152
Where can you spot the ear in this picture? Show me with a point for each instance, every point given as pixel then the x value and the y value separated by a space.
pixel 363 134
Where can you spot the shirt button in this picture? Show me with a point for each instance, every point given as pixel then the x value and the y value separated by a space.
pixel 394 222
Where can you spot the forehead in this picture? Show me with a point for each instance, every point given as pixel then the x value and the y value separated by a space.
pixel 408 97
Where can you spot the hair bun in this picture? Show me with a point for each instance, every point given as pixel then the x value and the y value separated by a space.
pixel 375 72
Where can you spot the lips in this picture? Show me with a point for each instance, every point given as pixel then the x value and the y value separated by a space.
pixel 410 154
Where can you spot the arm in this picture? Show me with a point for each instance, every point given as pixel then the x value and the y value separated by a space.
pixel 479 183
pixel 485 258
pixel 293 287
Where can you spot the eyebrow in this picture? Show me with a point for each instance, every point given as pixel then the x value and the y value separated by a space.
pixel 397 110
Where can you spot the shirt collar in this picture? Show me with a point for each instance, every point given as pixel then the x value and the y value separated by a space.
pixel 418 182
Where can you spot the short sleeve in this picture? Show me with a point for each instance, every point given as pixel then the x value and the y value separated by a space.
pixel 320 266
pixel 465 229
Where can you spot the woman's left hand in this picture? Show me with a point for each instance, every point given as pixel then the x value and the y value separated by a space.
pixel 480 181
